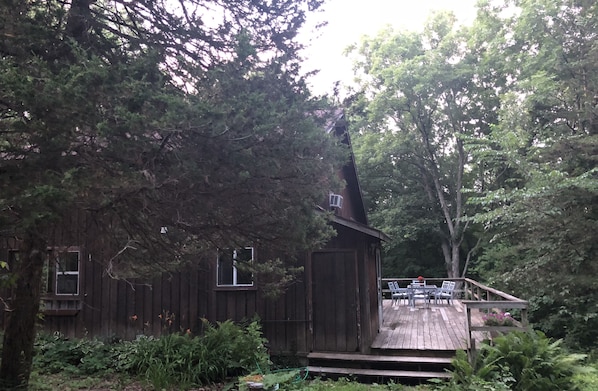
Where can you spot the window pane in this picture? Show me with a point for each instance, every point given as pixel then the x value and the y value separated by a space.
pixel 225 268
pixel 69 262
pixel 67 284
pixel 244 257
pixel 50 273
pixel 244 277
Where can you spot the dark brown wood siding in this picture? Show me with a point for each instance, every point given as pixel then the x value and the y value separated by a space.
pixel 335 298
pixel 125 309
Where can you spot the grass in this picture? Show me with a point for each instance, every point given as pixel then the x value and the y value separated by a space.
pixel 68 383
pixel 348 385
pixel 64 382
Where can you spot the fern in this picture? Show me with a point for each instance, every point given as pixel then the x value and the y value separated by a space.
pixel 525 361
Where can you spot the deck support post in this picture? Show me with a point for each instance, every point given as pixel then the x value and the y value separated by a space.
pixel 470 341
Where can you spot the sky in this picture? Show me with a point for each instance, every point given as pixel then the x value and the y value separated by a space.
pixel 349 20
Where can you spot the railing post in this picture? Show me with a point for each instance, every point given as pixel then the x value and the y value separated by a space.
pixel 470 341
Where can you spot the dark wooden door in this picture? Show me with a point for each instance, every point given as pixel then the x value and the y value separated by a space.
pixel 335 302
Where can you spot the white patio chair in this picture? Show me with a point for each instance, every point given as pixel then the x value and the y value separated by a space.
pixel 446 291
pixel 397 293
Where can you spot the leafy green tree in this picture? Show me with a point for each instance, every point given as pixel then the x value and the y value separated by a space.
pixel 541 162
pixel 422 95
pixel 399 207
pixel 118 118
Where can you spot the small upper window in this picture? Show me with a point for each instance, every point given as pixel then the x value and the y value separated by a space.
pixel 233 267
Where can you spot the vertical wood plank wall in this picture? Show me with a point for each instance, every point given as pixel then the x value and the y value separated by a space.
pixel 178 302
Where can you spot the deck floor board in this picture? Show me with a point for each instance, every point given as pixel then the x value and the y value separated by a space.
pixel 438 327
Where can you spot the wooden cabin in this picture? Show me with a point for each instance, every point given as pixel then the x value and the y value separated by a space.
pixel 335 306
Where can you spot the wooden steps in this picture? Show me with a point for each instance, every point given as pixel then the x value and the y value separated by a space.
pixel 378 373
pixel 405 366
pixel 381 358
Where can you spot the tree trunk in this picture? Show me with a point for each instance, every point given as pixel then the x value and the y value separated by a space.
pixel 19 335
pixel 451 251
pixel 456 260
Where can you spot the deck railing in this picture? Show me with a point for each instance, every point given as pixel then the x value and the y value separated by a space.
pixel 486 300
pixel 479 299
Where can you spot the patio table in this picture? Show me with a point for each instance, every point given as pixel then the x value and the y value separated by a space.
pixel 425 291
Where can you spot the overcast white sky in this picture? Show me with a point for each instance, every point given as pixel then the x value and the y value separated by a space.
pixel 349 20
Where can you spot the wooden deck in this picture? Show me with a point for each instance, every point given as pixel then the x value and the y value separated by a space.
pixel 414 344
pixel 436 328
pixel 419 343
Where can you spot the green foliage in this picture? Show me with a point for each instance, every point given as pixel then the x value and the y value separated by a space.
pixel 481 373
pixel 55 353
pixel 282 378
pixel 588 380
pixel 344 384
pixel 498 319
pixel 223 351
pixel 474 383
pixel 524 361
pixel 275 275
pixel 539 162
pixel 517 90
pixel 288 379
pixel 414 109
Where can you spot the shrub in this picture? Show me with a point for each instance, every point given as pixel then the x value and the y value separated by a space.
pixel 55 353
pixel 499 319
pixel 526 361
pixel 223 351
pixel 481 374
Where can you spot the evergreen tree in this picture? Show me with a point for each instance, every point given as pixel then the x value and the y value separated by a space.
pixel 121 117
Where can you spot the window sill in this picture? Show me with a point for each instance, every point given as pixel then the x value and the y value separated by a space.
pixel 57 306
pixel 235 288
pixel 60 312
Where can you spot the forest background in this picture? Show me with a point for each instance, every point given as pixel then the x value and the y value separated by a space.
pixel 477 151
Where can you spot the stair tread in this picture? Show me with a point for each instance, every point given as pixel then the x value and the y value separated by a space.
pixel 380 358
pixel 379 372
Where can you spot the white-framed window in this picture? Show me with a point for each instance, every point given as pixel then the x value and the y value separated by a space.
pixel 63 273
pixel 231 267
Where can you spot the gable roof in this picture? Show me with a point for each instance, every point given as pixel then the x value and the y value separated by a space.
pixel 338 126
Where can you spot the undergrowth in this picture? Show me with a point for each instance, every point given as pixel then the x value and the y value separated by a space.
pixel 175 360
pixel 228 351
